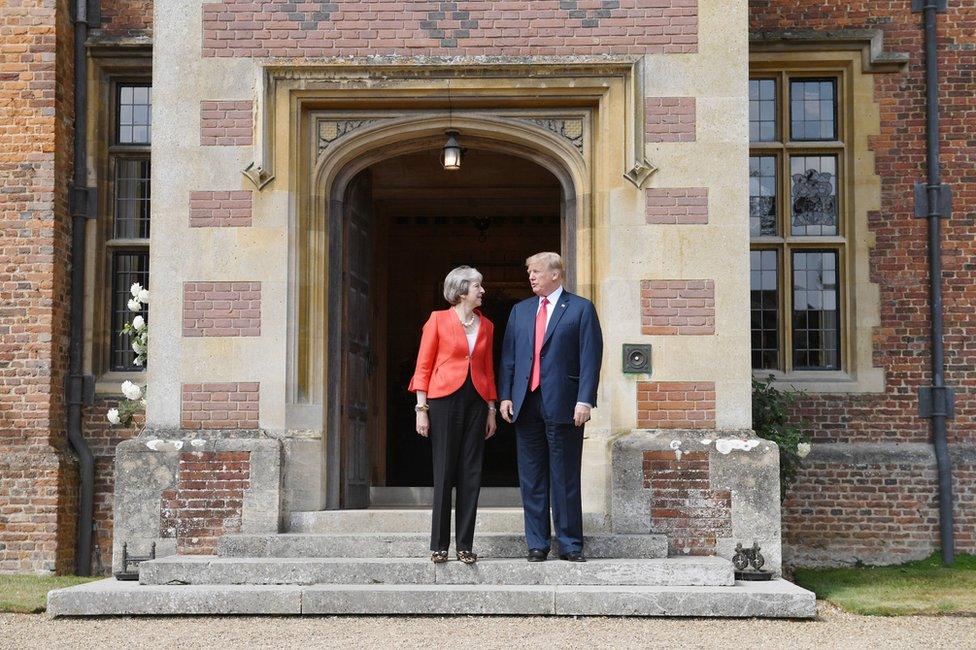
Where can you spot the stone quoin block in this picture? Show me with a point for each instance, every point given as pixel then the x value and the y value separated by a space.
pixel 220 209
pixel 684 307
pixel 677 205
pixel 670 119
pixel 221 309
pixel 235 28
pixel 226 123
pixel 228 405
pixel 676 404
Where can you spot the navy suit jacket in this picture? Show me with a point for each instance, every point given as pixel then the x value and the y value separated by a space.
pixel 570 359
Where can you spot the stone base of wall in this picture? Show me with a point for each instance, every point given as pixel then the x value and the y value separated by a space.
pixel 875 504
pixel 181 490
pixel 707 490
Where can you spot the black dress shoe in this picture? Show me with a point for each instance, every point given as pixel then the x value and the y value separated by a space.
pixel 576 556
pixel 537 555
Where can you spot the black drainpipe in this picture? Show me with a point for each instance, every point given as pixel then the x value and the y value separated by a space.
pixel 80 388
pixel 932 202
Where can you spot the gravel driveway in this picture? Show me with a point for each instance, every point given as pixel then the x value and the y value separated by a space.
pixel 834 629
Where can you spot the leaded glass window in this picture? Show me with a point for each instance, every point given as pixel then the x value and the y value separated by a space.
pixel 134 123
pixel 132 198
pixel 816 322
pixel 764 308
pixel 798 158
pixel 128 267
pixel 813 109
pixel 762 110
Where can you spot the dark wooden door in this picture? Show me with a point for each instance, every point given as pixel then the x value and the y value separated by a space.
pixel 358 354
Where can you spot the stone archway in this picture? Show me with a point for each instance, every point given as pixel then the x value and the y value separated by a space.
pixel 335 173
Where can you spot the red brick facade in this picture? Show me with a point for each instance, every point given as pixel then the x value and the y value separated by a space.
pixel 676 404
pixel 677 205
pixel 237 28
pixel 220 209
pixel 207 500
pixel 37 471
pixel 232 405
pixel 828 498
pixel 678 307
pixel 882 510
pixel 221 309
pixel 670 119
pixel 683 504
pixel 226 123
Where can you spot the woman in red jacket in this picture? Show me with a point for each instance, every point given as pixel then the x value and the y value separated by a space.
pixel 455 386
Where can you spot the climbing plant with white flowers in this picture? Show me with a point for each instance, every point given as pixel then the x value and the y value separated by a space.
pixel 138 331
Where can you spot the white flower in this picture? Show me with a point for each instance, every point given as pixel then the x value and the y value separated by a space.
pixel 135 289
pixel 143 296
pixel 134 305
pixel 113 416
pixel 137 361
pixel 131 391
pixel 803 449
pixel 137 347
pixel 138 323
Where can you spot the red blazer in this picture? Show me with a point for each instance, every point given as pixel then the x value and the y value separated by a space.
pixel 443 361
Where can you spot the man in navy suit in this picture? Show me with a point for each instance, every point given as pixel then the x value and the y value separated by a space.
pixel 547 384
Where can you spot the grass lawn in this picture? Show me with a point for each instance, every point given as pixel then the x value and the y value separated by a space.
pixel 27 594
pixel 922 587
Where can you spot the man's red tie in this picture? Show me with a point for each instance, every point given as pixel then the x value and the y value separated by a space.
pixel 540 335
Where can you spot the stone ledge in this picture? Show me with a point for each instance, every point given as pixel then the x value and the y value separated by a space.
pixel 774 599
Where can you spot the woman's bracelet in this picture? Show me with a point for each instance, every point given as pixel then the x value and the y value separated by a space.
pixel 420 408
pixel 492 408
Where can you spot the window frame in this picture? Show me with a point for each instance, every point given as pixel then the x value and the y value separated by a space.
pixel 784 149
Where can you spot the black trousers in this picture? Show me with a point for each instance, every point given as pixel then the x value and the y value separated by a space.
pixel 457 435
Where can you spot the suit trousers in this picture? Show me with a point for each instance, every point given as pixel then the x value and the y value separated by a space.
pixel 549 459
pixel 457 436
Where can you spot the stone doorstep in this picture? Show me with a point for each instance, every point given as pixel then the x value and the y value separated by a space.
pixel 197 570
pixel 415 545
pixel 417 520
pixel 775 599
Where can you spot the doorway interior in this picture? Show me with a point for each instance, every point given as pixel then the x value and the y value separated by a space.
pixel 408 222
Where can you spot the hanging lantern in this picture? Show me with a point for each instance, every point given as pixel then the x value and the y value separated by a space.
pixel 452 152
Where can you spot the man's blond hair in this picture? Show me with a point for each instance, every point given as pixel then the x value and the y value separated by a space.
pixel 552 261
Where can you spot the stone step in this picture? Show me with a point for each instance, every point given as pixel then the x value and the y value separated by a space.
pixel 417 520
pixel 204 569
pixel 773 599
pixel 422 497
pixel 415 545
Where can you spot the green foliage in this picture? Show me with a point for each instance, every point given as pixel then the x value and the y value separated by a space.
pixel 770 420
pixel 27 594
pixel 920 587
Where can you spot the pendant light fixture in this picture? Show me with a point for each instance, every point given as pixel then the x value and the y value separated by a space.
pixel 451 157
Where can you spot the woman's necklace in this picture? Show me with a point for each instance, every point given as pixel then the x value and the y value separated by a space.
pixel 466 323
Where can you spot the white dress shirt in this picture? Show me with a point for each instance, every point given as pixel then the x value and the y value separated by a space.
pixel 553 299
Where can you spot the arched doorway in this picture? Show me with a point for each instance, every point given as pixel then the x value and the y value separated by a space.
pixel 397 223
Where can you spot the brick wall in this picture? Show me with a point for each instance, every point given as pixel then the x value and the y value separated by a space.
pixel 238 28
pixel 678 307
pixel 230 405
pixel 677 205
pixel 220 209
pixel 126 18
pixel 103 438
pixel 670 119
pixel 226 123
pixel 683 504
pixel 221 309
pixel 676 404
pixel 37 511
pixel 834 504
pixel 207 500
